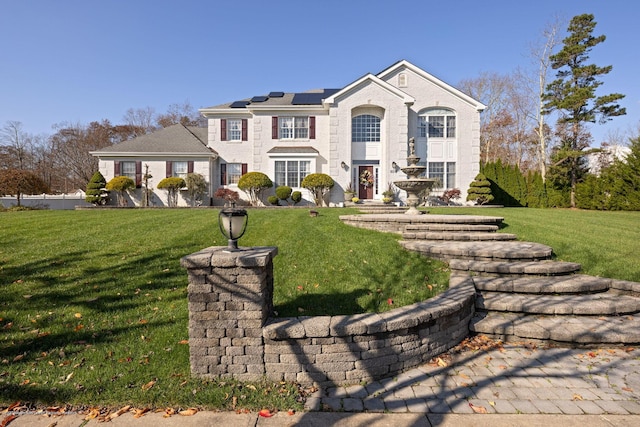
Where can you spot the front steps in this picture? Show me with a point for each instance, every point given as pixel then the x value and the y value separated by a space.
pixel 521 292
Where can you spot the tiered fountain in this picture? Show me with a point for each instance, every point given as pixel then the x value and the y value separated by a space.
pixel 414 185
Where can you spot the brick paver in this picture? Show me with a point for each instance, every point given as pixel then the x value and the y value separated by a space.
pixel 506 379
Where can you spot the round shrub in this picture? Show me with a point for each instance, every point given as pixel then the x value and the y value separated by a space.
pixel 96 192
pixel 319 184
pixel 283 192
pixel 120 184
pixel 254 183
pixel 296 196
pixel 273 200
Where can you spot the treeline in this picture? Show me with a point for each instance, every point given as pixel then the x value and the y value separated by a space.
pixel 616 186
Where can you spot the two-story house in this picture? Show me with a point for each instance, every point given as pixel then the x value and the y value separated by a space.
pixel 361 130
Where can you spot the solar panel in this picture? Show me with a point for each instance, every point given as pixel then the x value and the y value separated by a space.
pixel 276 94
pixel 239 104
pixel 259 98
pixel 312 98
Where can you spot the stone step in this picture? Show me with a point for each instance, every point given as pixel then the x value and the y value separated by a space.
pixel 451 227
pixel 606 303
pixel 583 330
pixel 458 236
pixel 381 209
pixel 480 251
pixel 572 284
pixel 506 268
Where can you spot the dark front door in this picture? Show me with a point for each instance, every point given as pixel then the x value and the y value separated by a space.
pixel 365 182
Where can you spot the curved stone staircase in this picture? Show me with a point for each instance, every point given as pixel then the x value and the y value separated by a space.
pixel 523 294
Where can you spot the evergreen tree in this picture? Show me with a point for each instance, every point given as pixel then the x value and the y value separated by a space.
pixel 573 95
pixel 623 179
pixel 480 190
pixel 96 191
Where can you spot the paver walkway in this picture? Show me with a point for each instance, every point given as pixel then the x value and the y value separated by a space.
pixel 502 379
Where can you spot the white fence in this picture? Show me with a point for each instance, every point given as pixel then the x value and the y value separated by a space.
pixel 47 201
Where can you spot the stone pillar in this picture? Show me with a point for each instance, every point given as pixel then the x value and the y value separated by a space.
pixel 230 296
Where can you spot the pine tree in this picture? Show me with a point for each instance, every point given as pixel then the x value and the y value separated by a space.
pixel 573 94
pixel 96 192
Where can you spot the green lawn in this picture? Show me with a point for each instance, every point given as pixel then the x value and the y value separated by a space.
pixel 93 303
pixel 607 244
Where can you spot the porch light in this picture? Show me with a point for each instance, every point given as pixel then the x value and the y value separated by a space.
pixel 233 224
pixel 343 165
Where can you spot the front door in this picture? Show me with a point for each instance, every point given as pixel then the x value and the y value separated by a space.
pixel 365 182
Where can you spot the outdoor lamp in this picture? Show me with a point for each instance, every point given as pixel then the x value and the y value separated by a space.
pixel 233 224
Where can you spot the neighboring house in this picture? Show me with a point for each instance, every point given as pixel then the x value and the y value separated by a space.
pixel 363 128
pixel 173 151
pixel 597 161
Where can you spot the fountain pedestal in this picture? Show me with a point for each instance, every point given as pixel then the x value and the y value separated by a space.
pixel 414 185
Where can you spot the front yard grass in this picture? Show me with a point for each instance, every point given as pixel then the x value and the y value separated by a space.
pixel 93 304
pixel 94 309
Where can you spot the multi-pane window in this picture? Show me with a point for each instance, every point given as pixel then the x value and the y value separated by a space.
pixel 234 172
pixel 437 170
pixel 293 127
pixel 128 169
pixel 451 174
pixel 365 128
pixel 180 169
pixel 291 172
pixel 234 129
pixel 437 124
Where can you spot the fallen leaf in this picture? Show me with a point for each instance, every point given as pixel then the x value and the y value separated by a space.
pixel 188 412
pixel 140 412
pixel 465 376
pixel 591 354
pixel 119 412
pixel 78 315
pixel 630 390
pixel 148 385
pixel 390 301
pixel 576 396
pixel 7 420
pixel 168 412
pixel 265 413
pixel 503 367
pixel 291 412
pixel 183 342
pixel 478 409
pixel 492 403
pixel 441 362
pixel 93 413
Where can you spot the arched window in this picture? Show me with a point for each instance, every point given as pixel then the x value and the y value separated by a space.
pixel 365 128
pixel 437 123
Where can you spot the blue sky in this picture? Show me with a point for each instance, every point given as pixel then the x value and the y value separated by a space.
pixel 83 60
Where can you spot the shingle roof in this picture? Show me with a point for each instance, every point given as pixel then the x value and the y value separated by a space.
pixel 292 150
pixel 312 97
pixel 177 139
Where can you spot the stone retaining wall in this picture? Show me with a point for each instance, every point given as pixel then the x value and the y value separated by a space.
pixel 232 335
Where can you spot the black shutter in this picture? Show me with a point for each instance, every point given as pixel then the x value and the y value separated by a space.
pixel 312 127
pixel 274 127
pixel 116 168
pixel 223 129
pixel 190 166
pixel 244 129
pixel 138 173
pixel 169 171
pixel 223 174
pixel 244 168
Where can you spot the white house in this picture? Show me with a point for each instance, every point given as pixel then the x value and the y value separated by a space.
pixel 343 132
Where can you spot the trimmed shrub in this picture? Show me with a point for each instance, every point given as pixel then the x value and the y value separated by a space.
pixel 227 195
pixel 480 190
pixel 196 187
pixel 172 185
pixel 273 200
pixel 96 192
pixel 120 184
pixel 319 184
pixel 283 193
pixel 254 183
pixel 296 196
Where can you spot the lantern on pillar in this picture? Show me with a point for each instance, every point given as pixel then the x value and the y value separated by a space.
pixel 233 224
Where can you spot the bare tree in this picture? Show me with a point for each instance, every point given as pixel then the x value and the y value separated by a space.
pixel 141 119
pixel 16 146
pixel 179 113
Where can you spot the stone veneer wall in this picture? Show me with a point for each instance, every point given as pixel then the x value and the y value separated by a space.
pixel 231 333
